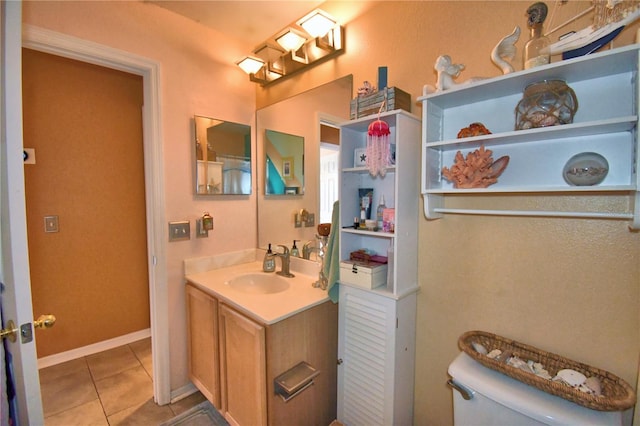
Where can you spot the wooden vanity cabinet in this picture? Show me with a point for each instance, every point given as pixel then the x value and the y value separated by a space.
pixel 233 361
pixel 202 343
pixel 242 367
pixel 310 336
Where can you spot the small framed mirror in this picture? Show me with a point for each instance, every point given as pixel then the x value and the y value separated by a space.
pixel 284 163
pixel 223 157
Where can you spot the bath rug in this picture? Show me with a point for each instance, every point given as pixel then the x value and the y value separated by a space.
pixel 203 414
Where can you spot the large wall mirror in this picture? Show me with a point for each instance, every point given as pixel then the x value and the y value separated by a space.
pixel 284 164
pixel 223 157
pixel 303 115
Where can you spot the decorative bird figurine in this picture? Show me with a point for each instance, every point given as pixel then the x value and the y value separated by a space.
pixel 505 51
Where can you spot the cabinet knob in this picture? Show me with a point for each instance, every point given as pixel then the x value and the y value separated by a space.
pixel 339 361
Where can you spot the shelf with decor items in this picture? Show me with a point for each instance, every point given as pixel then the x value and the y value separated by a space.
pixel 605 122
pixel 381 308
pixel 399 186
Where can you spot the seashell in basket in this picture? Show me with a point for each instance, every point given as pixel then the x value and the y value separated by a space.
pixel 571 377
pixel 594 385
pixel 616 394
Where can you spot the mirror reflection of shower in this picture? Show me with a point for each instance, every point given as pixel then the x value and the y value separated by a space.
pixel 223 157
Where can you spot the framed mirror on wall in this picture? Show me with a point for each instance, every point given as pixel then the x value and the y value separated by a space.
pixel 223 157
pixel 284 164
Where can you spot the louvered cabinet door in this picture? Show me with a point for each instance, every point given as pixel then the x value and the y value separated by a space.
pixel 376 352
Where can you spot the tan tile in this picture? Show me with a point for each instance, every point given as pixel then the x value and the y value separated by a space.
pixel 147 413
pixel 111 362
pixel 188 402
pixel 124 390
pixel 67 391
pixel 142 351
pixel 49 374
pixel 88 414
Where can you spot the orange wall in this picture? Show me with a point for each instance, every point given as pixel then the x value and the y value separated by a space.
pixel 84 122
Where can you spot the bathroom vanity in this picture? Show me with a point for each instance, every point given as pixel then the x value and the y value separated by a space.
pixel 240 341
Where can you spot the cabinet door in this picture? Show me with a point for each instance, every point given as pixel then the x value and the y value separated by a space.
pixel 366 348
pixel 376 343
pixel 243 369
pixel 202 332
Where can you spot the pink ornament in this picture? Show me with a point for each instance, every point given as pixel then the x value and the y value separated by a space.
pixel 378 148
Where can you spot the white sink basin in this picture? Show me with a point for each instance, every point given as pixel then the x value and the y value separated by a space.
pixel 258 283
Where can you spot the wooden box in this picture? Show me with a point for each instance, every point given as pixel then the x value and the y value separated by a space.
pixel 370 104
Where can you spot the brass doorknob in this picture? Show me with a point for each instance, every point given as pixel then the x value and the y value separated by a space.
pixel 9 332
pixel 45 321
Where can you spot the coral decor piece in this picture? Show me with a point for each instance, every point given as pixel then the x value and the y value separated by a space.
pixel 378 152
pixel 366 89
pixel 477 170
pixel 474 129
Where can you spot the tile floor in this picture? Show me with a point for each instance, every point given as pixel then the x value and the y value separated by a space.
pixel 108 388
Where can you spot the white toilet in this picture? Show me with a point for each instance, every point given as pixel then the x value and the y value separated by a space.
pixel 497 399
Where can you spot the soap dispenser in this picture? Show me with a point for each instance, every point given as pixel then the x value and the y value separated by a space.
pixel 269 262
pixel 294 249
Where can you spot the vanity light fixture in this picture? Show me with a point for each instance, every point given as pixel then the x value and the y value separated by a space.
pixel 291 40
pixel 317 23
pixel 250 65
pixel 318 38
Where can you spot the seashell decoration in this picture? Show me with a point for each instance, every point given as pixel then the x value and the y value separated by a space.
pixel 478 347
pixel 567 376
pixel 546 103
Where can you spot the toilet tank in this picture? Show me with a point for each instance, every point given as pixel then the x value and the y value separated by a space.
pixel 497 399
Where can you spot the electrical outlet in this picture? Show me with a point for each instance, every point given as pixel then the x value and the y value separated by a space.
pixel 179 231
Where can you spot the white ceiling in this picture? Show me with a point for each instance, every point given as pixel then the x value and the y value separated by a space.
pixel 250 22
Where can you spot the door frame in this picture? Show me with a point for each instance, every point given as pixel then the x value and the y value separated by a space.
pixel 55 43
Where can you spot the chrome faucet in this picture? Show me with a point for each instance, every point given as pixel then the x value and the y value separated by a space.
pixel 307 250
pixel 286 262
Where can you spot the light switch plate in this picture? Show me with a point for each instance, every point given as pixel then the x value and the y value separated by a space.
pixel 179 231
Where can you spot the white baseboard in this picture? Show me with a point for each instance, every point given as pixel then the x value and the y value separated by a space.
pixel 61 357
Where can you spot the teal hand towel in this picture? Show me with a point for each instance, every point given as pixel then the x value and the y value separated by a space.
pixel 331 267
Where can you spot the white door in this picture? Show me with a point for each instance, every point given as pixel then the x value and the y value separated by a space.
pixel 14 270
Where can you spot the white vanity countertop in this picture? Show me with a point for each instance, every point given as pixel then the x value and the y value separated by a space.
pixel 265 308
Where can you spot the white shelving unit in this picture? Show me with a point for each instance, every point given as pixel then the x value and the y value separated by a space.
pixel 376 334
pixel 400 188
pixel 606 122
